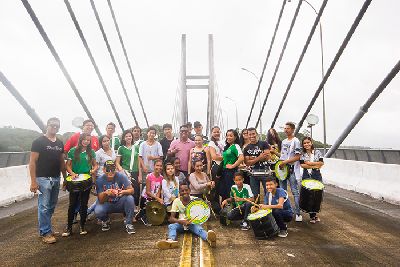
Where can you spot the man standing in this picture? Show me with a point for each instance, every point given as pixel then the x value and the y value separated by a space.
pixel 136 173
pixel 167 140
pixel 181 147
pixel 114 140
pixel 198 129
pixel 256 155
pixel 114 192
pixel 149 151
pixel 290 156
pixel 87 127
pixel 45 165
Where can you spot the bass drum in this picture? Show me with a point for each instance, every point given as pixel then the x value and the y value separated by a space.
pixel 263 224
pixel 311 195
pixel 81 183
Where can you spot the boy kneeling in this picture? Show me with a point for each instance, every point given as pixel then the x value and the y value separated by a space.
pixel 180 225
pixel 241 197
pixel 277 199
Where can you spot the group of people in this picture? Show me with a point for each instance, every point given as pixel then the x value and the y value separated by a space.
pixel 128 172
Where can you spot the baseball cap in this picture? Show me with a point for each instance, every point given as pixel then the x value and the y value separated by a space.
pixel 109 165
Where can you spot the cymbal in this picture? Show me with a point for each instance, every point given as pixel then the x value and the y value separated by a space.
pixel 155 212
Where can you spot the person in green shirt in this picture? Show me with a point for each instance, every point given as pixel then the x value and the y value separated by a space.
pixel 114 140
pixel 241 197
pixel 81 160
pixel 232 157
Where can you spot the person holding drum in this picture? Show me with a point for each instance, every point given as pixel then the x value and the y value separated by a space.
pixel 275 145
pixel 241 196
pixel 200 184
pixel 182 223
pixel 81 166
pixel 232 158
pixel 114 192
pixel 290 156
pixel 170 184
pixel 256 156
pixel 311 160
pixel 277 199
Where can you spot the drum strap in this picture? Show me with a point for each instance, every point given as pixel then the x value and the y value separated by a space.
pixel 270 198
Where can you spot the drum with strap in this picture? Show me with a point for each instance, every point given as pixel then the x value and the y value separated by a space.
pixel 283 173
pixel 197 211
pixel 82 182
pixel 263 224
pixel 311 195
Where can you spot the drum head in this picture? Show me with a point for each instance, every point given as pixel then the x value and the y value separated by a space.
pixel 281 174
pixel 312 184
pixel 258 214
pixel 198 211
pixel 81 177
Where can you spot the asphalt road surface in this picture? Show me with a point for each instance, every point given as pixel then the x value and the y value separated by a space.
pixel 354 230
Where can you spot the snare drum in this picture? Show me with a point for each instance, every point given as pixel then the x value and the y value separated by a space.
pixel 311 195
pixel 283 173
pixel 223 216
pixel 82 182
pixel 197 211
pixel 263 224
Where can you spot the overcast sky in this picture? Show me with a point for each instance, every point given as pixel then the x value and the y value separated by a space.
pixel 242 33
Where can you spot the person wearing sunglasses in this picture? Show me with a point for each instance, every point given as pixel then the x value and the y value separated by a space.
pixel 181 147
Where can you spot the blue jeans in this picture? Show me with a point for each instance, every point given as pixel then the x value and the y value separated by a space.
pixel 255 185
pixel 125 204
pixel 294 188
pixel 196 229
pixel 47 201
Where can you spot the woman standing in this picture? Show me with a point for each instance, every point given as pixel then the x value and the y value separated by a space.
pixel 216 147
pixel 311 161
pixel 200 184
pixel 244 138
pixel 232 157
pixel 81 160
pixel 200 153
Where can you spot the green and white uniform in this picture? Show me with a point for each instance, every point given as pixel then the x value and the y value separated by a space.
pixel 83 166
pixel 231 154
pixel 245 192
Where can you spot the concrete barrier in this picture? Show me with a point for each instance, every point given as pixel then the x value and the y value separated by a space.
pixel 378 180
pixel 14 184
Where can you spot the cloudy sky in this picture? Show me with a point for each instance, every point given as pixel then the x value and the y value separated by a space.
pixel 242 33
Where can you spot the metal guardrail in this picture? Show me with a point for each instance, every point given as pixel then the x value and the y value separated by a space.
pixel 8 159
pixel 389 156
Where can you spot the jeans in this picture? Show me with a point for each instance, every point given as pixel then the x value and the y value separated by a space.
pixel 47 201
pixel 294 188
pixel 240 213
pixel 81 197
pixel 92 207
pixel 125 204
pixel 255 185
pixel 196 229
pixel 282 217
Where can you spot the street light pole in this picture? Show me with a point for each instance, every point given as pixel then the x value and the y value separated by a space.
pixel 259 96
pixel 237 117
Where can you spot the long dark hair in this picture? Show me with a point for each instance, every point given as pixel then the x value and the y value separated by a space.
pixel 123 137
pixel 235 134
pixel 241 139
pixel 101 139
pixel 273 138
pixel 212 138
pixel 312 143
pixel 79 147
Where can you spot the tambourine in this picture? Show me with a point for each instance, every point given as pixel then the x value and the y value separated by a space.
pixel 82 182
pixel 283 173
pixel 197 211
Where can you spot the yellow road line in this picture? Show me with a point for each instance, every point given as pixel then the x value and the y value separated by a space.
pixel 206 256
pixel 186 254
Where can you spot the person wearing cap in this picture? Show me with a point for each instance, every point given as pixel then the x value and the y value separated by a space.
pixel 198 129
pixel 167 140
pixel 114 192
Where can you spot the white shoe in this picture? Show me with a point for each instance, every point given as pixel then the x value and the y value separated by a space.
pixel 299 218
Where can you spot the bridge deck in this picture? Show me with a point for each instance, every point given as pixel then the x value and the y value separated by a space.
pixel 348 234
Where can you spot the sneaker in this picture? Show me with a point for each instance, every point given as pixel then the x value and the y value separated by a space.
pixel 82 230
pixel 317 219
pixel 313 220
pixel 144 221
pixel 212 238
pixel 244 226
pixel 167 244
pixel 283 233
pixel 67 232
pixel 299 218
pixel 49 238
pixel 130 229
pixel 105 226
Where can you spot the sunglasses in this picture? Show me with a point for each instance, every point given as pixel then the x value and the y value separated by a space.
pixel 52 125
pixel 110 169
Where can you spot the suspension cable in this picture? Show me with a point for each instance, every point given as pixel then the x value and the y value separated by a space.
pixel 127 60
pixel 58 60
pixel 100 24
pixel 317 19
pixel 89 52
pixel 29 110
pixel 279 60
pixel 266 61
pixel 334 61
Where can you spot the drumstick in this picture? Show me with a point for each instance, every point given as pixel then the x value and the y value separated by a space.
pixel 257 205
pixel 194 218
pixel 240 210
pixel 215 216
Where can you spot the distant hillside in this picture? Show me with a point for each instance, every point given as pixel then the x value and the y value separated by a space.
pixel 17 139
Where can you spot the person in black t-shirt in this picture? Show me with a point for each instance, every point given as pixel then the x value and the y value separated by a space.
pixel 166 141
pixel 45 165
pixel 256 155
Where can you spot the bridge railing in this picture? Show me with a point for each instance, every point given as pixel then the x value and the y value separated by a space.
pixel 389 156
pixel 8 159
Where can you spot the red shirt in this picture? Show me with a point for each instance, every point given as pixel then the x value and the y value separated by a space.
pixel 73 142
